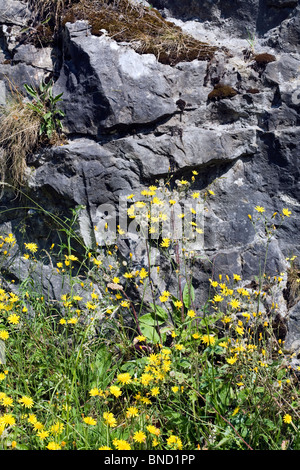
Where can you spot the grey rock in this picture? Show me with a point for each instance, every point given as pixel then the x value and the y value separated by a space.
pixel 253 16
pixel 14 12
pixel 30 55
pixel 2 93
pixel 292 340
pixel 19 74
pixel 285 36
pixel 123 87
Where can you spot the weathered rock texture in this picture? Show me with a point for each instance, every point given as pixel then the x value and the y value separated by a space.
pixel 125 129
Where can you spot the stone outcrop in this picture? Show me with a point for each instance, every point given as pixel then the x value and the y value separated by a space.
pixel 254 16
pixel 125 128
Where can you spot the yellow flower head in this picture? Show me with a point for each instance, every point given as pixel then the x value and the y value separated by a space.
pixel 89 420
pixel 14 319
pixel 286 212
pixel 32 247
pixel 287 419
pixel 115 390
pixel 139 436
pixel 27 402
pixel 110 420
pixel 132 411
pixel 124 378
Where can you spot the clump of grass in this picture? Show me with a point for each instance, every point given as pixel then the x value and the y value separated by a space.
pixel 19 136
pixel 48 9
pixel 292 293
pixel 145 29
pixel 25 126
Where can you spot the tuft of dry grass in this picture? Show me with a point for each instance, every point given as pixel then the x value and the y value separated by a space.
pixel 293 285
pixel 19 136
pixel 143 28
pixel 43 9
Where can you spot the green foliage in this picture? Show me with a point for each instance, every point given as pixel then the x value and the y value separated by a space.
pixel 45 105
pixel 179 376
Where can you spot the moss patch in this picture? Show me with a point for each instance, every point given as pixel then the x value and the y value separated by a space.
pixel 253 91
pixel 264 58
pixel 144 28
pixel 221 92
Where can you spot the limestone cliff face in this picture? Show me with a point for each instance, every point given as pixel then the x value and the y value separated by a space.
pixel 125 128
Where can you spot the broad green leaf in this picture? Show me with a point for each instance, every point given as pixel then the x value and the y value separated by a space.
pixel 150 333
pixel 149 319
pixel 31 91
pixel 188 295
pixel 160 312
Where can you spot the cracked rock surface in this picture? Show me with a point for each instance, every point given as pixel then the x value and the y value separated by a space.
pixel 125 130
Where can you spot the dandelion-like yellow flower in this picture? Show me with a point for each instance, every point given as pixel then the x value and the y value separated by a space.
pixel 231 360
pixel 165 296
pixel 7 401
pixel 287 419
pixel 286 212
pixel 240 330
pixel 141 338
pixel 208 339
pixel 53 446
pixel 43 434
pixel 191 313
pixel 121 444
pixel 124 378
pixel 196 336
pixel 139 436
pixel 153 430
pixel 235 303
pixel 218 298
pixel 32 247
pixel 165 243
pixel 260 209
pixel 4 335
pixel 155 391
pixel 110 420
pixel 8 419
pixel 32 419
pixel 132 411
pixel 89 420
pixel 146 378
pixel 57 428
pixel 115 390
pixel 27 402
pixel 13 319
pixel 174 442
